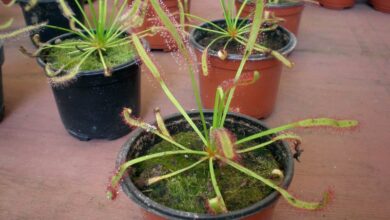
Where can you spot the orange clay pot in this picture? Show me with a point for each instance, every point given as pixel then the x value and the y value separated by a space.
pixel 162 40
pixel 291 12
pixel 337 4
pixel 381 5
pixel 257 99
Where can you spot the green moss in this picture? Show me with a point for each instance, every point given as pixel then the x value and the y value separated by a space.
pixel 115 56
pixel 189 190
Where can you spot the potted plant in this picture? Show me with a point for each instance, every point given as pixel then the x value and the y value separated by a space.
pixel 218 45
pixel 289 10
pixel 337 4
pixel 4 26
pixel 94 71
pixel 161 40
pixel 48 11
pixel 209 164
pixel 380 5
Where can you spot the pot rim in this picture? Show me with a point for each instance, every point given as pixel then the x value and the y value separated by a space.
pixel 285 50
pixel 135 61
pixel 40 1
pixel 151 206
pixel 1 52
pixel 289 4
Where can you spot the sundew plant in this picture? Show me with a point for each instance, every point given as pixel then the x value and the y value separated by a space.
pixel 219 144
pixel 94 36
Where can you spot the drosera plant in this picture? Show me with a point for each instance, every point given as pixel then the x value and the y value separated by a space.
pixel 96 39
pixel 219 144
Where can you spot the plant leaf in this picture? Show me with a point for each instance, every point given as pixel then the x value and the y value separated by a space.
pixel 288 136
pixel 122 169
pixel 223 141
pixel 156 179
pixel 153 69
pixel 289 198
pixel 161 124
pixel 307 123
pixel 21 30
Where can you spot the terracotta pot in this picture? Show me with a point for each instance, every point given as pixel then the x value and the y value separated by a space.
pixel 381 5
pixel 290 11
pixel 162 40
pixel 258 99
pixel 140 141
pixel 337 4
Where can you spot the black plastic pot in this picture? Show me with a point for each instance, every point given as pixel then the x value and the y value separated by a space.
pixel 140 141
pixel 1 82
pixel 90 106
pixel 48 10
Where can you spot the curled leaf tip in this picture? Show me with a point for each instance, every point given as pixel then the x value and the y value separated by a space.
pixel 222 54
pixel 277 174
pixel 216 206
pixel 112 192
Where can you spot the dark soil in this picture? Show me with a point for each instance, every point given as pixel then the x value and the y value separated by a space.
pixel 190 190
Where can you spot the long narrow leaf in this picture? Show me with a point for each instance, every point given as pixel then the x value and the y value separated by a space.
pixel 187 56
pixel 307 123
pixel 289 198
pixel 248 50
pixel 153 69
pixel 112 189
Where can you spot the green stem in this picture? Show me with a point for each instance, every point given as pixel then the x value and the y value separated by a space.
pixel 122 169
pixel 153 69
pixel 187 56
pixel 248 50
pixel 214 182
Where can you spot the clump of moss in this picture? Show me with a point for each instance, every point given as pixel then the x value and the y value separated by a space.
pixel 190 190
pixel 114 56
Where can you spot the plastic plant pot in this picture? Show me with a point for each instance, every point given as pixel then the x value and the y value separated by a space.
pixel 162 40
pixel 140 141
pixel 291 12
pixel 48 11
pixel 258 99
pixel 337 4
pixel 90 106
pixel 381 5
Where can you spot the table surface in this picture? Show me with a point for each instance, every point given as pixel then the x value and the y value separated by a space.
pixel 342 70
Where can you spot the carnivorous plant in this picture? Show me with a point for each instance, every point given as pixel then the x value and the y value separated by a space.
pixel 104 30
pixel 219 145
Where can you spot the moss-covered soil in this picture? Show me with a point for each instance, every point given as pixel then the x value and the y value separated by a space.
pixel 70 57
pixel 274 40
pixel 189 190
